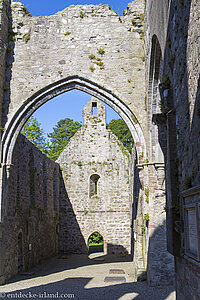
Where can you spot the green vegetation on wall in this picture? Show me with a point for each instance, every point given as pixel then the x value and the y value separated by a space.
pixel 121 130
pixel 34 133
pixel 65 129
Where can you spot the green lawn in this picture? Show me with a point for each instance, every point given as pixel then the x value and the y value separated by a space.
pixel 95 248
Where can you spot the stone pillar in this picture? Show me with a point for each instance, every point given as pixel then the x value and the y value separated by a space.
pixel 160 264
pixel 151 258
pixel 138 230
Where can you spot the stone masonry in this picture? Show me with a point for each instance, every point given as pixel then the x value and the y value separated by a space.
pixel 45 50
pixel 93 49
pixel 95 151
pixel 32 210
pixel 173 66
pixel 145 65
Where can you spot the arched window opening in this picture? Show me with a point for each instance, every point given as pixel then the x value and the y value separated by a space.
pixel 95 243
pixel 154 102
pixel 94 108
pixel 94 184
pixel 154 76
pixel 20 253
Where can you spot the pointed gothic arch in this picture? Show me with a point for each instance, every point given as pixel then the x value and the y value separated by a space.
pixel 154 102
pixel 30 105
pixel 99 247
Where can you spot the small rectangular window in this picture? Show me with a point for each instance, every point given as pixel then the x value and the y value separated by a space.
pixel 94 108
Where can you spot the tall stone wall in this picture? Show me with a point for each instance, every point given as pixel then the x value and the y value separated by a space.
pixel 5 15
pixel 95 151
pixel 182 66
pixel 178 129
pixel 102 53
pixel 149 209
pixel 31 211
pixel 90 41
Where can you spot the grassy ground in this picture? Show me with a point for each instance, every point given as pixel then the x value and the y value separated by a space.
pixel 95 248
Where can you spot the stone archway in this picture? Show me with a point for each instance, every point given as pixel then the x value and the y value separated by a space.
pixel 73 82
pixel 95 242
pixel 29 106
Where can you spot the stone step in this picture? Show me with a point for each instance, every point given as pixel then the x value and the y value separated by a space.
pixel 116 271
pixel 115 279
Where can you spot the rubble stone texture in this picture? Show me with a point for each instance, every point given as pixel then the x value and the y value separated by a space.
pixel 31 210
pixel 145 65
pixel 172 54
pixel 94 154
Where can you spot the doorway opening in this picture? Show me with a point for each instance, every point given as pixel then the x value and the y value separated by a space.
pixel 95 243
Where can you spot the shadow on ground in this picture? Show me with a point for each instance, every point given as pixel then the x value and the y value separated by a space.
pixel 77 287
pixel 69 262
pixel 64 276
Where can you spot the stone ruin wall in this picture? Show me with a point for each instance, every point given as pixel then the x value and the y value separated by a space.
pixel 32 208
pixel 43 50
pixel 180 60
pixel 149 207
pixel 96 150
pixel 177 30
pixel 183 69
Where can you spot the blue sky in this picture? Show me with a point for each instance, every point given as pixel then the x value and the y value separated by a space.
pixel 70 104
pixel 48 7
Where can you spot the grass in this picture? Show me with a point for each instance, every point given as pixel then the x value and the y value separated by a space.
pixel 95 248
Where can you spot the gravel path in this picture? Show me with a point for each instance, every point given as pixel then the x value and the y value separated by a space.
pixel 82 277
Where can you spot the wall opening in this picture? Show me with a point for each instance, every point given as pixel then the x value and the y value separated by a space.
pixel 154 101
pixel 19 120
pixel 94 108
pixel 30 105
pixel 95 243
pixel 93 188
